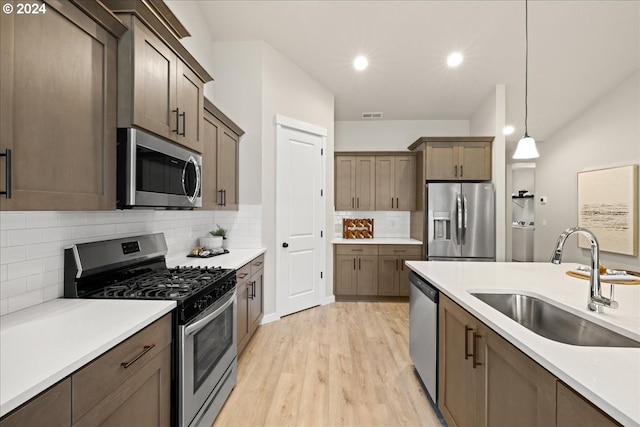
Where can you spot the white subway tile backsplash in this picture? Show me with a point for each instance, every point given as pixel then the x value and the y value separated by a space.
pixel 10 288
pixel 32 243
pixel 13 254
pixel 24 268
pixel 28 299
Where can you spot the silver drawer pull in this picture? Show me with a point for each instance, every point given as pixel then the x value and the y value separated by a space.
pixel 243 275
pixel 257 264
pixel 144 351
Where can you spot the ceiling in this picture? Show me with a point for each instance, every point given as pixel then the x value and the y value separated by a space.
pixel 578 51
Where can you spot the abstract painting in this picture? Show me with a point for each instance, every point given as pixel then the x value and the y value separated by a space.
pixel 608 207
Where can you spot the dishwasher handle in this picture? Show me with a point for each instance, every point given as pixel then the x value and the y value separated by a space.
pixel 425 287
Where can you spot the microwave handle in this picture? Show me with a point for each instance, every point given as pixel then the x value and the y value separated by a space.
pixel 191 197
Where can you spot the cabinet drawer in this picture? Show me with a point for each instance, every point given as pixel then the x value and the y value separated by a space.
pixel 400 250
pixel 101 377
pixel 356 249
pixel 50 408
pixel 257 264
pixel 243 273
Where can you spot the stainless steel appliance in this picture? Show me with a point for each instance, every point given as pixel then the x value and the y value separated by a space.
pixel 460 221
pixel 205 345
pixel 152 172
pixel 423 332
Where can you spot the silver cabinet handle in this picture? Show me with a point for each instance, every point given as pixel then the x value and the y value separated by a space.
pixel 455 170
pixel 7 171
pixel 461 171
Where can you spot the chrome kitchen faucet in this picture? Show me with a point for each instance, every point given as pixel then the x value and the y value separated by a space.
pixel 596 301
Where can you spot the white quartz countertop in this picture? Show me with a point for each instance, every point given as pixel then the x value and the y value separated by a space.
pixel 377 241
pixel 42 345
pixel 608 377
pixel 235 259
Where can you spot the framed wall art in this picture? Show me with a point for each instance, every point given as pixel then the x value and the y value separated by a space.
pixel 608 207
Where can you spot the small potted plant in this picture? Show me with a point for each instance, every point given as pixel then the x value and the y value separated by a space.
pixel 220 232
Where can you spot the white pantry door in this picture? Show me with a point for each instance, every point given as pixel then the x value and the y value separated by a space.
pixel 300 208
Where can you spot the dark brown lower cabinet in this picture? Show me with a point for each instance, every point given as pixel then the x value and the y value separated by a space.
pixel 129 385
pixel 575 411
pixel 250 305
pixel 486 381
pixel 51 408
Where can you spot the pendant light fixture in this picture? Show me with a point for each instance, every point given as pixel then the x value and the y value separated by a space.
pixel 526 148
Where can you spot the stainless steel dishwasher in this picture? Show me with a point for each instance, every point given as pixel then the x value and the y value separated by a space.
pixel 423 332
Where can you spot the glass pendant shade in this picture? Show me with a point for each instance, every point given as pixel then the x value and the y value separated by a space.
pixel 526 148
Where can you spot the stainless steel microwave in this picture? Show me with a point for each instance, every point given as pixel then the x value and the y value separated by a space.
pixel 155 173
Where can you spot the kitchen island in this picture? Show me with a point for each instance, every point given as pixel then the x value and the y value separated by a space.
pixel 607 377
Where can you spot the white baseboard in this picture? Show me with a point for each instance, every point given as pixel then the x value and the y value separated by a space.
pixel 268 318
pixel 329 300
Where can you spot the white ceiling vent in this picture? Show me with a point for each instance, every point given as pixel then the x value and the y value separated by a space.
pixel 369 116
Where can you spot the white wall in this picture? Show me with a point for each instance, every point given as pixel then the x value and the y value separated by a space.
pixel 392 135
pixel 289 91
pixel 489 120
pixel 607 134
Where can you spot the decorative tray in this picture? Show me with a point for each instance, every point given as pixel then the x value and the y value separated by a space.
pixel 209 255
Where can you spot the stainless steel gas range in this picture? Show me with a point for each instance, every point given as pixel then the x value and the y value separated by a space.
pixel 205 345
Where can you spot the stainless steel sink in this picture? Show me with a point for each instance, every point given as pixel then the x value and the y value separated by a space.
pixel 553 322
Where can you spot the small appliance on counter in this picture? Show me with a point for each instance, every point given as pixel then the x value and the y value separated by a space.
pixel 205 318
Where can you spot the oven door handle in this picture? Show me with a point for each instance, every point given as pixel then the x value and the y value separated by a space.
pixel 195 327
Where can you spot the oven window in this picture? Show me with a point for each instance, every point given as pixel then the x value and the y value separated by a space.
pixel 210 344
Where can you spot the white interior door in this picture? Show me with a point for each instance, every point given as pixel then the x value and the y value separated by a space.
pixel 300 207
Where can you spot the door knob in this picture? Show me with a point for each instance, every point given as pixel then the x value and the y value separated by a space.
pixel 285 245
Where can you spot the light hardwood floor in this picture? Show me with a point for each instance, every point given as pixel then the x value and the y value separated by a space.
pixel 343 364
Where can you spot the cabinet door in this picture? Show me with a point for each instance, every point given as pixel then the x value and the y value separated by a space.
pixel 51 408
pixel 210 161
pixel 388 274
pixel 516 390
pixel 403 274
pixel 255 303
pixel 365 183
pixel 405 183
pixel 345 269
pixel 227 169
pixel 441 161
pixel 190 100
pixel 244 291
pixel 574 411
pixel 474 159
pixel 385 183
pixel 457 381
pixel 58 110
pixel 367 281
pixel 143 400
pixel 154 85
pixel 345 185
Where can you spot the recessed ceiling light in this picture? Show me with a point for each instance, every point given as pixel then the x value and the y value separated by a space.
pixel 508 130
pixel 454 59
pixel 360 63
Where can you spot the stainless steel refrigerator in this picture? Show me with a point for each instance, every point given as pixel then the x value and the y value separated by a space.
pixel 460 222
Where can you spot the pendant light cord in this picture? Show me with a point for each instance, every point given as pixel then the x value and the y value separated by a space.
pixel 526 66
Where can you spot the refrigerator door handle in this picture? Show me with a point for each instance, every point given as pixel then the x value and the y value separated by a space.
pixel 465 217
pixel 459 224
